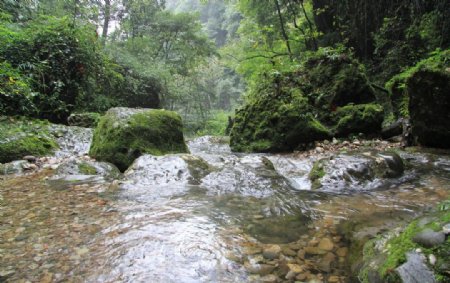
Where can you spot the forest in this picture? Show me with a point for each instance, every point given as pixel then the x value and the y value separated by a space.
pixel 225 141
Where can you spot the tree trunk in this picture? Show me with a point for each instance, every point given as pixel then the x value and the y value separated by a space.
pixel 283 30
pixel 107 17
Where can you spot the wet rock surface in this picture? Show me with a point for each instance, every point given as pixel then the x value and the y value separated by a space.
pixel 356 171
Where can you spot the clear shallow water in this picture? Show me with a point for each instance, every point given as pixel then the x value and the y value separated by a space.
pixel 203 217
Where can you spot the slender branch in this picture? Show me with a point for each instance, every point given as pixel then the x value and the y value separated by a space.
pixel 283 30
pixel 311 29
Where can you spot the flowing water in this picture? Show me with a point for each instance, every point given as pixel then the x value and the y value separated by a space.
pixel 211 216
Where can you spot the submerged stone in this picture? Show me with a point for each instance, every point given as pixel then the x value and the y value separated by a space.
pixel 124 134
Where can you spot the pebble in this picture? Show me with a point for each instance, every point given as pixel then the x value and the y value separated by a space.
pixel 252 250
pixel 342 252
pixel 432 259
pixel 271 278
pixel 326 244
pixel 272 251
pixel 289 252
pixel 301 254
pixel 301 276
pixel 446 228
pixel 314 251
pixel 295 268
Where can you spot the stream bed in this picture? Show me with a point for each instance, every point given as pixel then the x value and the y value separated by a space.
pixel 208 216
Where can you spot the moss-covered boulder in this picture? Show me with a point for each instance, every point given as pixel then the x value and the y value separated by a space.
pixel 85 120
pixel 422 93
pixel 287 110
pixel 429 107
pixel 363 118
pixel 332 79
pixel 124 134
pixel 20 137
pixel 275 124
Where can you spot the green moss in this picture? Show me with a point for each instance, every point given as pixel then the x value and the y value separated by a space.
pixel 364 118
pixel 20 137
pixel 398 247
pixel 87 169
pixel 317 173
pixel 120 140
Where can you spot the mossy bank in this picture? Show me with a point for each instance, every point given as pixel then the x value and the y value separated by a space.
pixel 20 137
pixel 124 134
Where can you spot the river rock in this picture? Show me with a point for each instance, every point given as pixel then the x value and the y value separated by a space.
pixel 272 252
pixel 261 269
pixel 342 252
pixel 415 270
pixel 429 238
pixel 289 252
pixel 271 278
pixel 124 134
pixel 295 268
pixel 314 251
pixel 326 244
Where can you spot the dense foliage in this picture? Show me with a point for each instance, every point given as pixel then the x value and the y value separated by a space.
pixel 197 57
